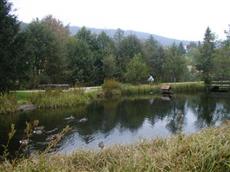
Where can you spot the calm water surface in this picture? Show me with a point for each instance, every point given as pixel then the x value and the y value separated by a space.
pixel 121 121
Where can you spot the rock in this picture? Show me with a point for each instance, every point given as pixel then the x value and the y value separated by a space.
pixel 101 145
pixel 166 98
pixel 51 131
pixel 38 132
pixel 69 118
pixel 27 107
pixel 83 120
pixel 24 142
pixel 52 137
pixel 39 128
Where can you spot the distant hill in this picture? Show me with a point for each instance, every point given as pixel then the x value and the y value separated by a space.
pixel 141 35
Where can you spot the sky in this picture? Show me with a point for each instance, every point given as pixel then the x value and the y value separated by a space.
pixel 179 19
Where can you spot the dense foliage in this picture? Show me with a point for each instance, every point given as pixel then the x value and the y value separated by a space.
pixel 44 52
pixel 9 27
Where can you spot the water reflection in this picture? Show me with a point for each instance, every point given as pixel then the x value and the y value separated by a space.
pixel 122 121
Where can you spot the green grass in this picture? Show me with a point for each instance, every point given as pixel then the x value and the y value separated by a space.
pixel 177 87
pixel 57 98
pixel 22 97
pixel 208 150
pixel 188 87
pixel 127 89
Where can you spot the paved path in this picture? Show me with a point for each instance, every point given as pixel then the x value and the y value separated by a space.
pixel 86 89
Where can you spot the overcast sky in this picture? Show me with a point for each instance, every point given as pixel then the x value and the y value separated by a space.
pixel 180 19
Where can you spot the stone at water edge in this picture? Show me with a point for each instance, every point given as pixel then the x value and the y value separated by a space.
pixel 83 120
pixel 26 107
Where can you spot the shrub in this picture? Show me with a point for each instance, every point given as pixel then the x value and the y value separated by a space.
pixel 111 88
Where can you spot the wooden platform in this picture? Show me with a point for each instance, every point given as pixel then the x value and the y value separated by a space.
pixel 166 89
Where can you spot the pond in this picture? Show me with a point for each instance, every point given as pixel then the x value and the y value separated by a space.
pixel 120 121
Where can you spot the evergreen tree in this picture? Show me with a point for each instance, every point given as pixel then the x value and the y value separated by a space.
pixel 181 48
pixel 205 60
pixel 175 65
pixel 9 27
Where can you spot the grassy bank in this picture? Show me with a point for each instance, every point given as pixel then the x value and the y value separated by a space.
pixel 57 98
pixel 208 150
pixel 45 99
pixel 179 87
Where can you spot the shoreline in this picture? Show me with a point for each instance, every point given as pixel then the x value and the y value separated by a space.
pixel 41 99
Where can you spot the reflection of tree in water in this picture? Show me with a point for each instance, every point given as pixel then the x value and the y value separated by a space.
pixel 209 109
pixel 176 115
pixel 205 111
pixel 126 114
pixel 131 114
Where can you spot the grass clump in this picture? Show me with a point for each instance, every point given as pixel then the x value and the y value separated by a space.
pixel 22 97
pixel 188 87
pixel 177 87
pixel 111 88
pixel 208 150
pixel 8 103
pixel 59 98
pixel 143 89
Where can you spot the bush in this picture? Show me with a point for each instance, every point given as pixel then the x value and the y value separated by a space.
pixel 111 88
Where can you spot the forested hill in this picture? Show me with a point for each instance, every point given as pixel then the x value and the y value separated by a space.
pixel 141 35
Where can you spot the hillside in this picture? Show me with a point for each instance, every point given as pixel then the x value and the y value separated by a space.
pixel 141 35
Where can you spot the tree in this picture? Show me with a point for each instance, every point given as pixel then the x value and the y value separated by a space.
pixel 109 66
pixel 222 60
pixel 205 60
pixel 80 61
pixel 137 70
pixel 46 40
pixel 9 27
pixel 106 48
pixel 129 47
pixel 155 57
pixel 221 64
pixel 175 65
pixel 181 48
pixel 57 50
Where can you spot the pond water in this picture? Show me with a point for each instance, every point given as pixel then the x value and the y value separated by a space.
pixel 120 121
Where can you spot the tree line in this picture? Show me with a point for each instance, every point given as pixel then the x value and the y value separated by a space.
pixel 45 52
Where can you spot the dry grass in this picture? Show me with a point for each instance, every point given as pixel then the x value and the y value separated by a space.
pixel 8 103
pixel 208 150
